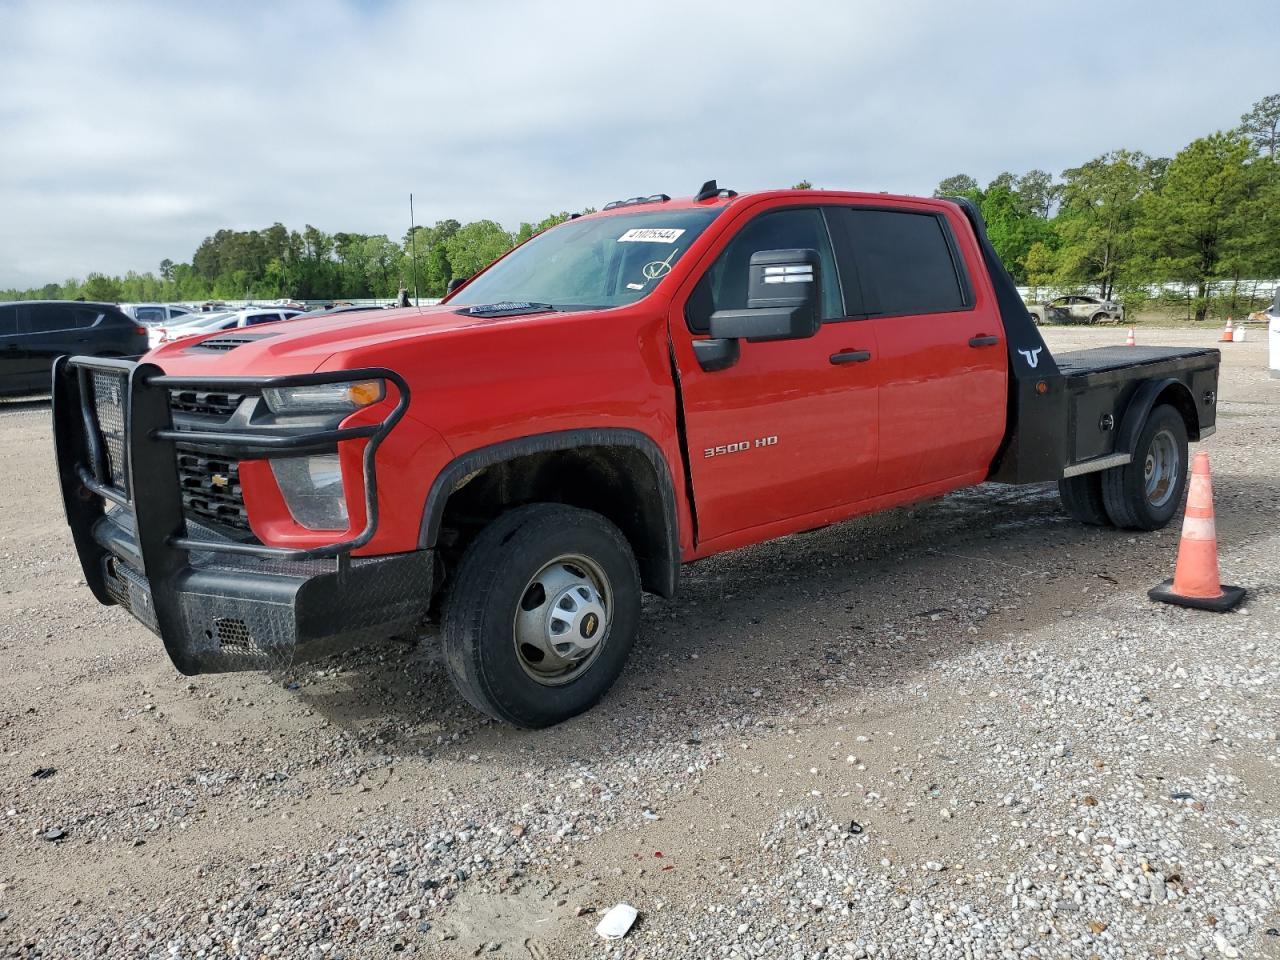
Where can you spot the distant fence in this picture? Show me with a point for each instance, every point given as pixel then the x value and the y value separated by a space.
pixel 1244 289
pixel 309 304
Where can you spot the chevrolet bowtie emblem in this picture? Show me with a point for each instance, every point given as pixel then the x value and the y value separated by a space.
pixel 219 480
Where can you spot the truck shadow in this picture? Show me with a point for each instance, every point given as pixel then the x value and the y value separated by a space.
pixel 806 622
pixel 22 404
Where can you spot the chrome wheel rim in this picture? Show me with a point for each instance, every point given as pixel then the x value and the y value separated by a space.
pixel 1161 469
pixel 562 620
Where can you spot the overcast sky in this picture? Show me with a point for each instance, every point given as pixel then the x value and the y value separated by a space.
pixel 131 130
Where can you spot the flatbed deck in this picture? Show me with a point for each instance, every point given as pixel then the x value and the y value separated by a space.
pixel 1077 363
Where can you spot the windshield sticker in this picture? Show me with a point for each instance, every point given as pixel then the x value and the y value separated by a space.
pixel 650 235
pixel 635 286
pixel 659 268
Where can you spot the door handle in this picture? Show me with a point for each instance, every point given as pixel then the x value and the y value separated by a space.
pixel 983 340
pixel 851 356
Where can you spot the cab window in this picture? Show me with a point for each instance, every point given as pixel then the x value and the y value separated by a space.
pixel 904 262
pixel 724 285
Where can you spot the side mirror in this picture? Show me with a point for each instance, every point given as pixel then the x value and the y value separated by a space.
pixel 783 299
pixel 454 284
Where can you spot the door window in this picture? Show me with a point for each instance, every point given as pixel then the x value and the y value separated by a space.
pixel 86 317
pixel 724 285
pixel 905 263
pixel 149 314
pixel 46 318
pixel 8 321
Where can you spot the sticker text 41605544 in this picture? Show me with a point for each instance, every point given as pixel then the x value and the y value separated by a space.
pixel 651 235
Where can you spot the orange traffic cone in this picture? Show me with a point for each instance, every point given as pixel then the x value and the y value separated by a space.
pixel 1129 341
pixel 1227 336
pixel 1195 580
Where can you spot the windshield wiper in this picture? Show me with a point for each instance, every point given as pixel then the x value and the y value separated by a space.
pixel 505 308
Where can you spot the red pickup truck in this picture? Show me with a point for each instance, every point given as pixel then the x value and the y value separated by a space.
pixel 624 393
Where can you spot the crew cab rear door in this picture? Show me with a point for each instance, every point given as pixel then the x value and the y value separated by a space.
pixel 789 429
pixel 942 364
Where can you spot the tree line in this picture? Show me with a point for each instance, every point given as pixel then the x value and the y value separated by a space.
pixel 308 265
pixel 1118 225
pixel 1206 220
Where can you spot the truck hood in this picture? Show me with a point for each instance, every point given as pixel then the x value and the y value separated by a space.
pixel 302 345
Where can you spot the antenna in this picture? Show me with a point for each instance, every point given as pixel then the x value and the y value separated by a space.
pixel 413 252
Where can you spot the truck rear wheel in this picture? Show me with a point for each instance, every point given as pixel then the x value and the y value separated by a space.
pixel 1082 498
pixel 1145 493
pixel 542 614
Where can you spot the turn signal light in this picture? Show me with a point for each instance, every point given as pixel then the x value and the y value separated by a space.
pixel 366 392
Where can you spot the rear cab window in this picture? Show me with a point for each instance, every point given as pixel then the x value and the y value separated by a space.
pixel 900 262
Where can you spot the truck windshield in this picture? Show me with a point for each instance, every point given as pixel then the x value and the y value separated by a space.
pixel 603 262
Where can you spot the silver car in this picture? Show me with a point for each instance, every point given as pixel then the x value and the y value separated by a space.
pixel 1076 308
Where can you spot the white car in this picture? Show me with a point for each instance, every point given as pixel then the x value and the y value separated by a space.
pixel 202 323
pixel 1076 309
pixel 151 313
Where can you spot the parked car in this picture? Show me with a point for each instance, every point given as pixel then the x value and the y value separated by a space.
pixel 348 308
pixel 628 391
pixel 1076 308
pixel 212 322
pixel 33 333
pixel 152 313
pixel 183 326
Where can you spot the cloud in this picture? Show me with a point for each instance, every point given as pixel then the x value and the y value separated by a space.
pixel 131 130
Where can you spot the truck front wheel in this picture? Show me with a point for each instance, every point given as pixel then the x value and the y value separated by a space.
pixel 542 614
pixel 1145 493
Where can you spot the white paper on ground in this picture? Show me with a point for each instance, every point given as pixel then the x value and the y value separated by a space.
pixel 615 924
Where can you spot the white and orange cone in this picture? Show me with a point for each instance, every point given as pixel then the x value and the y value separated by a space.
pixel 1129 341
pixel 1227 335
pixel 1195 580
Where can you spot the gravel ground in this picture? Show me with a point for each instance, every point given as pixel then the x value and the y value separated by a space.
pixel 959 730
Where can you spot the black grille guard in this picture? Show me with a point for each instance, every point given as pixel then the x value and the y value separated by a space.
pixel 116 444
pixel 150 486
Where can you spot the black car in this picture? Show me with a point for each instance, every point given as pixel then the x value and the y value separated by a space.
pixel 35 332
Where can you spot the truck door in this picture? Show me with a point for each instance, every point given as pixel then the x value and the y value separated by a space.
pixel 789 429
pixel 942 364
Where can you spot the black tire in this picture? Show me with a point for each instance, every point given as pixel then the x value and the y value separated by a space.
pixel 493 584
pixel 1082 498
pixel 1125 489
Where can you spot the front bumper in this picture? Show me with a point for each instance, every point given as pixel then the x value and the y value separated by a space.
pixel 217 603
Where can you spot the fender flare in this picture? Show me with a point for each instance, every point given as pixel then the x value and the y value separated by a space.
pixel 660 575
pixel 1140 406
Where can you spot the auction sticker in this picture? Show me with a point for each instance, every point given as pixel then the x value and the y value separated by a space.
pixel 650 235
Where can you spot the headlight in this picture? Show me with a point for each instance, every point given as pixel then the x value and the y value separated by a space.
pixel 345 397
pixel 312 488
